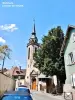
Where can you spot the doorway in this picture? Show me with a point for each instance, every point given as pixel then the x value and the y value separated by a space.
pixel 34 84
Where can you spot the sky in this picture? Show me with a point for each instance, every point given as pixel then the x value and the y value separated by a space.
pixel 16 23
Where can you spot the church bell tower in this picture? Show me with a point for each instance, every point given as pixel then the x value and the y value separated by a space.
pixel 32 47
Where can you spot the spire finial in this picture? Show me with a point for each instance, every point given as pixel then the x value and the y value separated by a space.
pixel 34 31
pixel 34 21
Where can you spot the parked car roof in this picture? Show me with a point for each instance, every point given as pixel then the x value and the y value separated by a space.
pixel 16 93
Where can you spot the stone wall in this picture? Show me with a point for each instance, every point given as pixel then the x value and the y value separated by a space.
pixel 6 83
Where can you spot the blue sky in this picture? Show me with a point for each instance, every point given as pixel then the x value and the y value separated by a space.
pixel 16 23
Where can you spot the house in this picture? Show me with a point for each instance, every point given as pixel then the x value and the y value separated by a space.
pixel 68 47
pixel 34 79
pixel 18 74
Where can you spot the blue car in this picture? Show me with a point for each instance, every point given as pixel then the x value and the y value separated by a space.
pixel 16 95
pixel 25 89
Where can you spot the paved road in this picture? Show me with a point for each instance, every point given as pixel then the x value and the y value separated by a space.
pixel 43 96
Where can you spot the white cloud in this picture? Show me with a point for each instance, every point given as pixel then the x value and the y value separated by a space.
pixel 8 27
pixel 2 40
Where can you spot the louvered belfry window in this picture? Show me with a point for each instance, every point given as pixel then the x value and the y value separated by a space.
pixel 28 53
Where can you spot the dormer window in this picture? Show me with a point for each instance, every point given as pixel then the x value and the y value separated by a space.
pixel 18 72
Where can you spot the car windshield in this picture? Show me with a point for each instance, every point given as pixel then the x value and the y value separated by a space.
pixel 16 97
pixel 23 89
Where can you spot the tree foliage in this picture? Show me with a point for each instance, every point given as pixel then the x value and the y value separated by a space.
pixel 47 58
pixel 4 53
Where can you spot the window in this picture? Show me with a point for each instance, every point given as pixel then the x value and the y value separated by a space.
pixel 22 77
pixel 35 49
pixel 15 77
pixel 28 65
pixel 71 57
pixel 18 72
pixel 27 76
pixel 42 79
pixel 73 80
pixel 29 53
pixel 74 37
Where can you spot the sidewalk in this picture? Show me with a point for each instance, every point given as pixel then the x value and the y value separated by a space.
pixel 58 97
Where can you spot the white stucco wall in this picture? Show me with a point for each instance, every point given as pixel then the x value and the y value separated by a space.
pixel 70 68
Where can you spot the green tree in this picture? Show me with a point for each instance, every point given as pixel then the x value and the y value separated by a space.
pixel 47 58
pixel 4 53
